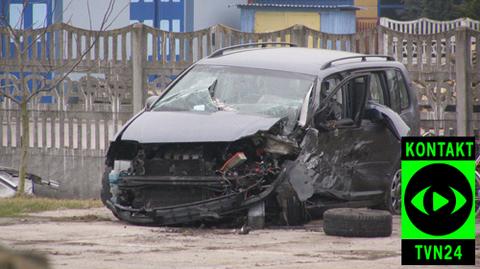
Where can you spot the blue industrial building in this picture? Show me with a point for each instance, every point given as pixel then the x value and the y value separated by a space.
pixel 37 13
pixel 168 15
pixel 185 15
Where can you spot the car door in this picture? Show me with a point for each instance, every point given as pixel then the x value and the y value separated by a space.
pixel 358 150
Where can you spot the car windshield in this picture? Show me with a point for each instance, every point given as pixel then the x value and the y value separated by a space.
pixel 208 88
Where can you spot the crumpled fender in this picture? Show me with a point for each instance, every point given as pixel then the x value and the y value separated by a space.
pixel 298 174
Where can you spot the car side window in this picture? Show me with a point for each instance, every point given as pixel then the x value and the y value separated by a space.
pixel 402 85
pixel 376 91
pixel 398 91
pixel 328 85
pixel 346 101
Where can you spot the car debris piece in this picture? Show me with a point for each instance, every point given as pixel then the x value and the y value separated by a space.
pixel 234 161
pixel 263 135
pixel 9 180
pixel 280 145
pixel 256 216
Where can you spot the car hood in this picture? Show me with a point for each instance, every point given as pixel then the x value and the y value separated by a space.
pixel 194 127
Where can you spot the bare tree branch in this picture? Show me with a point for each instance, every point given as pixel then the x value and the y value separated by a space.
pixel 45 28
pixel 7 86
pixel 17 43
pixel 116 17
pixel 106 16
pixel 22 48
pixel 89 14
pixel 9 96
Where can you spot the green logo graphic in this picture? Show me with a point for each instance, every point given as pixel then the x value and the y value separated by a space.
pixel 436 205
pixel 438 212
pixel 438 201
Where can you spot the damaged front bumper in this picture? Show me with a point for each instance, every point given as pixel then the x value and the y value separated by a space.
pixel 210 209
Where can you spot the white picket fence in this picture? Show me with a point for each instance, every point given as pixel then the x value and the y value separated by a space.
pixel 425 26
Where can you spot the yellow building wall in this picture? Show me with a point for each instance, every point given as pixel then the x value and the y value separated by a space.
pixel 369 8
pixel 267 21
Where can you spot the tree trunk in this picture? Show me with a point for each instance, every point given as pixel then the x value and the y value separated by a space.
pixel 25 142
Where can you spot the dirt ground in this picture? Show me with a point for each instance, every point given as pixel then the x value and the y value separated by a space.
pixel 93 239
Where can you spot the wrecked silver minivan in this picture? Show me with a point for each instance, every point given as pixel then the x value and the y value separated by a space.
pixel 281 132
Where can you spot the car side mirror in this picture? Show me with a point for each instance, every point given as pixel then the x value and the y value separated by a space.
pixel 150 101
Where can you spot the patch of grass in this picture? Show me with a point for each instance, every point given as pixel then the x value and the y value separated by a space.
pixel 13 207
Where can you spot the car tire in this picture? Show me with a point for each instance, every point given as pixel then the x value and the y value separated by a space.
pixel 393 195
pixel 350 222
pixel 105 193
pixel 294 211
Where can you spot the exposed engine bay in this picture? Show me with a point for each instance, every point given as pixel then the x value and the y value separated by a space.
pixel 145 178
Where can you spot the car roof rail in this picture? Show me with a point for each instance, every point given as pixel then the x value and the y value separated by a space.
pixel 363 57
pixel 220 52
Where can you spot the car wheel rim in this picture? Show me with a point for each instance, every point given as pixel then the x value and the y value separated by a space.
pixel 396 192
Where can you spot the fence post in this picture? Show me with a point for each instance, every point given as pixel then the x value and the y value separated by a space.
pixel 463 81
pixel 299 35
pixel 380 41
pixel 138 57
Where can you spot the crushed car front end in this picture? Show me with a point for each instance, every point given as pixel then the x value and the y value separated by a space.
pixel 173 183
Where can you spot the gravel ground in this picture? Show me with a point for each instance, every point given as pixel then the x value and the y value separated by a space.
pixel 94 239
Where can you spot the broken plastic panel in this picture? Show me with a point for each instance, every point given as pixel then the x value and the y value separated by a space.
pixel 236 160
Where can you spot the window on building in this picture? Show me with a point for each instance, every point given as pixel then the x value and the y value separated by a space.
pixel 149 37
pixel 148 22
pixel 176 28
pixel 165 25
pixel 176 25
pixel 39 12
pixel 15 12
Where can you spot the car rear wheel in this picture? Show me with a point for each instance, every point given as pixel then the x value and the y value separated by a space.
pixel 351 222
pixel 393 200
pixel 293 211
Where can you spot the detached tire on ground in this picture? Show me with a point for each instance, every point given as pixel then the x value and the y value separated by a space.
pixel 351 222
